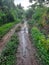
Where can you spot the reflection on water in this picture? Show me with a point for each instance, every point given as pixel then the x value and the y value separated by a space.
pixel 24 31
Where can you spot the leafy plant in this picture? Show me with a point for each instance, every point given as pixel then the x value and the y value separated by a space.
pixel 42 45
pixel 5 28
pixel 8 55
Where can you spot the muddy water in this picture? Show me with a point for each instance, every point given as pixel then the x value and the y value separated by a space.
pixel 25 54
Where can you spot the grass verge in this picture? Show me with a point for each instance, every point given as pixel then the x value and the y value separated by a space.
pixel 5 28
pixel 42 45
pixel 8 55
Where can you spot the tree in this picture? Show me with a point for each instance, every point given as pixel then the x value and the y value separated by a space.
pixel 8 3
pixel 19 6
pixel 9 12
pixel 39 1
pixel 29 13
pixel 5 11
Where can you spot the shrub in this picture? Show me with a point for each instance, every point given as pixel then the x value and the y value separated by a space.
pixel 8 55
pixel 41 44
pixel 5 28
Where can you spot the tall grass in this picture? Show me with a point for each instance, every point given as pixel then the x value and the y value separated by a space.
pixel 42 45
pixel 5 28
pixel 8 55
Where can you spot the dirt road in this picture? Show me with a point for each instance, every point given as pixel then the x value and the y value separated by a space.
pixel 26 53
pixel 7 37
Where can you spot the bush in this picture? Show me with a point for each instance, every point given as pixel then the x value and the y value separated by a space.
pixel 8 55
pixel 5 28
pixel 41 44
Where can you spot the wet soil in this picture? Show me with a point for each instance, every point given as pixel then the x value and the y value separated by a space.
pixel 26 51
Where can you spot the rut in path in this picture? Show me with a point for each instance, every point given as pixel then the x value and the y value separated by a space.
pixel 25 53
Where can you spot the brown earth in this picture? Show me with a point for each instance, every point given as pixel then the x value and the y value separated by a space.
pixel 26 51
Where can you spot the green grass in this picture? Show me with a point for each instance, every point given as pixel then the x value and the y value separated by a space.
pixel 8 55
pixel 42 45
pixel 5 28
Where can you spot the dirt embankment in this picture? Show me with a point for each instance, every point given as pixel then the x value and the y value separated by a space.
pixel 7 37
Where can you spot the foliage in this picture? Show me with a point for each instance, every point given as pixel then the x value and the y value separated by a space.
pixel 42 45
pixel 9 12
pixel 29 13
pixel 39 25
pixel 38 13
pixel 5 14
pixel 8 55
pixel 39 1
pixel 37 17
pixel 5 28
pixel 40 17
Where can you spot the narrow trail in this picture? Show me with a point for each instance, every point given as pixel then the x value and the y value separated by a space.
pixel 7 37
pixel 25 53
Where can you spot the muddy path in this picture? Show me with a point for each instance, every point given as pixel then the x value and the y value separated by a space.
pixel 7 37
pixel 26 53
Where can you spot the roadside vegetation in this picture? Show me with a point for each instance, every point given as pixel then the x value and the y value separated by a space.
pixel 5 28
pixel 38 20
pixel 42 45
pixel 9 15
pixel 8 55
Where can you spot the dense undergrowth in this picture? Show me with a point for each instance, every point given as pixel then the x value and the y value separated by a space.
pixel 42 45
pixel 39 30
pixel 9 15
pixel 8 55
pixel 6 27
